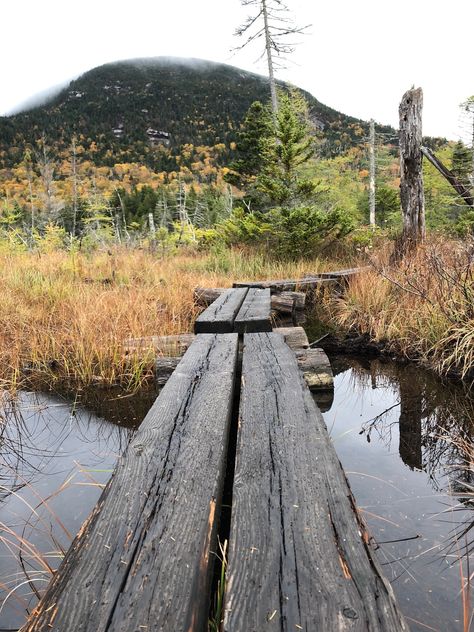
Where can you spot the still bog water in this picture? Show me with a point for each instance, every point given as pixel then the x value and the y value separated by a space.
pixel 400 434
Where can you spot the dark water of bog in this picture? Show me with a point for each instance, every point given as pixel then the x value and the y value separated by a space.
pixel 55 458
pixel 405 441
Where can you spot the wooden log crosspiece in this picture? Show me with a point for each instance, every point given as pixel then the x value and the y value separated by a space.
pixel 144 559
pixel 295 337
pixel 313 363
pixel 297 560
pixel 163 345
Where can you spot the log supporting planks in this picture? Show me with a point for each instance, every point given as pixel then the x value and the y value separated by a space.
pixel 316 369
pixel 254 314
pixel 164 345
pixel 297 559
pixel 219 317
pixel 143 560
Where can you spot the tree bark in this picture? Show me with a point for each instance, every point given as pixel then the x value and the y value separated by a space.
pixel 411 185
pixel 268 48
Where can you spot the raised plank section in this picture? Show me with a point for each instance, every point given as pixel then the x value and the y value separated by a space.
pixel 144 558
pixel 219 317
pixel 297 559
pixel 254 315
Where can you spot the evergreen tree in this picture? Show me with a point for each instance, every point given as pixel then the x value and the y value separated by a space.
pixel 292 145
pixel 461 162
pixel 255 132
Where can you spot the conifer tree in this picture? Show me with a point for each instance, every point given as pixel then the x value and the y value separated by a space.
pixel 292 144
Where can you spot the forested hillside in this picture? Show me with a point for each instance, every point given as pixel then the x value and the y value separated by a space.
pixel 147 110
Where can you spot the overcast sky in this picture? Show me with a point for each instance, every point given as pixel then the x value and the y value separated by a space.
pixel 359 56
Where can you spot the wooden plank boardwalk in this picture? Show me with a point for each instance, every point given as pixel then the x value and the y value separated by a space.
pixel 299 557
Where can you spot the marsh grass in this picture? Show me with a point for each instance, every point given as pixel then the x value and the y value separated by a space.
pixel 422 308
pixel 64 316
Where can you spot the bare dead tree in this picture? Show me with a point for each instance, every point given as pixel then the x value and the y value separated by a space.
pixel 52 205
pixel 412 195
pixel 272 24
pixel 457 185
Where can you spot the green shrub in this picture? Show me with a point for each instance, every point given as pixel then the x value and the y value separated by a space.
pixel 303 231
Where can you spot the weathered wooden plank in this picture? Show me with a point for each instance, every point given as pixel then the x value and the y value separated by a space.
pixel 219 317
pixel 337 274
pixel 297 559
pixel 288 285
pixel 255 313
pixel 310 281
pixel 143 560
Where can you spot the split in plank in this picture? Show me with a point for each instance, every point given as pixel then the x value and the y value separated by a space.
pixel 219 317
pixel 297 560
pixel 144 558
pixel 254 315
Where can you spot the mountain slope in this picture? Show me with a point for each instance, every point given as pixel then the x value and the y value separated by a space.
pixel 145 110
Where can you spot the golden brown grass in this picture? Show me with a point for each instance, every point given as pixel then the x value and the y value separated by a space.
pixel 422 308
pixel 64 317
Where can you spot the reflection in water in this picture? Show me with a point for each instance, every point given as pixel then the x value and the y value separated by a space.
pixel 55 460
pixel 405 441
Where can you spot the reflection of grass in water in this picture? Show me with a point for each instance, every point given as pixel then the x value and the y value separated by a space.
pixel 33 561
pixel 445 416
pixel 32 537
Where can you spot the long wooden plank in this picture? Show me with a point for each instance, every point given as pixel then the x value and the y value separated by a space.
pixel 255 313
pixel 297 559
pixel 143 560
pixel 310 281
pixel 287 285
pixel 219 317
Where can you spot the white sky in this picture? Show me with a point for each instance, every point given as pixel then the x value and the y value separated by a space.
pixel 359 57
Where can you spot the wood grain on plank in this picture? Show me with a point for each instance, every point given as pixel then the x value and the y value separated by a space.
pixel 219 317
pixel 255 312
pixel 297 560
pixel 143 560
